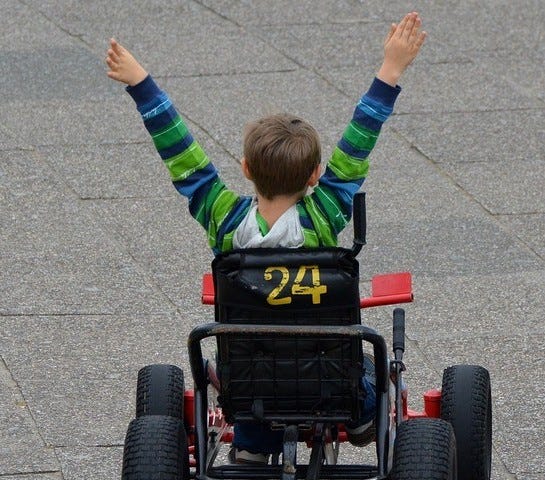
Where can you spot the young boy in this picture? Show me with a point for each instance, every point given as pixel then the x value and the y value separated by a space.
pixel 282 159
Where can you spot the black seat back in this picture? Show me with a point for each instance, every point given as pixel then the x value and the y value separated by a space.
pixel 280 377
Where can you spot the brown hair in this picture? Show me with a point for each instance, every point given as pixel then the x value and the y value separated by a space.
pixel 281 152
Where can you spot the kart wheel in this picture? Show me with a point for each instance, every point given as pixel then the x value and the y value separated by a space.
pixel 160 391
pixel 466 403
pixel 424 449
pixel 155 447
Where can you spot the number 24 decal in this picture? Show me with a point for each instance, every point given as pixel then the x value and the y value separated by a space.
pixel 314 291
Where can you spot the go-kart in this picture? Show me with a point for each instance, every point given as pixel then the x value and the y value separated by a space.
pixel 289 355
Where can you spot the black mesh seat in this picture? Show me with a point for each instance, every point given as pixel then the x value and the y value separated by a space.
pixel 281 376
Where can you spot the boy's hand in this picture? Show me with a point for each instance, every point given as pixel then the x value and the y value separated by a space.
pixel 123 66
pixel 401 47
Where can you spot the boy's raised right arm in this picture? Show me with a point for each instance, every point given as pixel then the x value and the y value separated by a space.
pixel 330 206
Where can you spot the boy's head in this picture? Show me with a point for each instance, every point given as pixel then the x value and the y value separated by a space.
pixel 281 155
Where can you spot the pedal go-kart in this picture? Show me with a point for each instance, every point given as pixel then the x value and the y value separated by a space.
pixel 290 355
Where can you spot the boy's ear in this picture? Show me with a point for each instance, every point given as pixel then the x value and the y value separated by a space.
pixel 245 169
pixel 315 176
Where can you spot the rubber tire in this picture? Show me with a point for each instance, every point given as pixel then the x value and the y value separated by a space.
pixel 155 449
pixel 466 403
pixel 424 449
pixel 160 391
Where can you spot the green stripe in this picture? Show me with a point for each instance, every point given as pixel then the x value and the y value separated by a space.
pixel 321 225
pixel 222 205
pixel 227 243
pixel 171 134
pixel 333 210
pixel 360 137
pixel 310 238
pixel 346 167
pixel 186 163
pixel 262 224
pixel 208 202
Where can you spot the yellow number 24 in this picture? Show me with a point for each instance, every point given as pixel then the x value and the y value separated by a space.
pixel 296 289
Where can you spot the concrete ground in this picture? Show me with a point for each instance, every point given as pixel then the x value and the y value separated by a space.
pixel 100 264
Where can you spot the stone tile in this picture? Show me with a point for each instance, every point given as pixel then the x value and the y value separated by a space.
pixel 504 136
pixel 522 70
pixel 424 88
pixel 90 463
pixel 529 228
pixel 67 73
pixel 405 186
pixel 26 175
pixel 332 46
pixel 159 35
pixel 56 259
pixel 284 12
pixel 487 182
pixel 37 476
pixel 83 122
pixel 38 29
pixel 476 305
pixel 450 245
pixel 9 141
pixel 165 241
pixel 22 448
pixel 78 373
pixel 100 20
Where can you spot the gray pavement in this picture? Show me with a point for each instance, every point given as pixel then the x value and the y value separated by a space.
pixel 100 264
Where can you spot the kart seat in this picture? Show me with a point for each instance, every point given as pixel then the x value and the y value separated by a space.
pixel 277 375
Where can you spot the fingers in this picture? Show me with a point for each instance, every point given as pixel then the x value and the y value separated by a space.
pixel 420 39
pixel 390 33
pixel 118 49
pixel 407 25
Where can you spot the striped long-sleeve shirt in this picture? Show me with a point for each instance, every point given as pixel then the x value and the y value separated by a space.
pixel 320 215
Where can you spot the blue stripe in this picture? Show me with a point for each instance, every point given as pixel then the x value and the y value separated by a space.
pixel 155 107
pixel 195 181
pixel 306 222
pixel 349 149
pixel 177 148
pixel 343 190
pixel 162 119
pixel 374 109
pixel 233 218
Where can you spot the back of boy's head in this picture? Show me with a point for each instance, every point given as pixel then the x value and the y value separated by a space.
pixel 281 151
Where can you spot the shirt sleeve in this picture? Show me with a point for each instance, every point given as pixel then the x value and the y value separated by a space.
pixel 330 205
pixel 192 173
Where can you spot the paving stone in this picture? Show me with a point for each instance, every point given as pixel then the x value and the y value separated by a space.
pixel 477 304
pixel 529 228
pixel 493 184
pixel 80 386
pixel 285 12
pixel 22 449
pixel 90 463
pixel 503 136
pixel 56 259
pixel 165 241
pixel 424 88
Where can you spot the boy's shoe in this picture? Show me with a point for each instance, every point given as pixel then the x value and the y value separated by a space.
pixel 248 458
pixel 361 435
